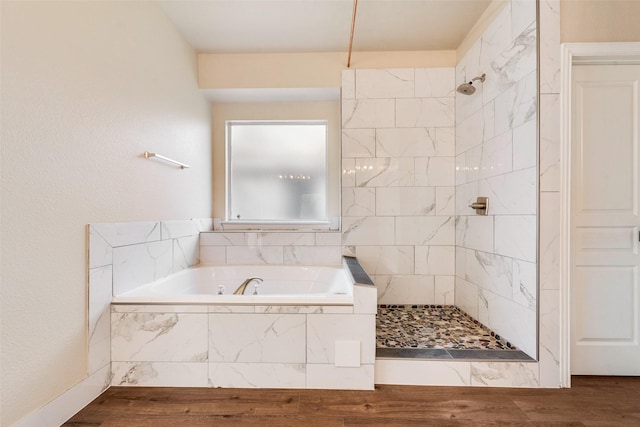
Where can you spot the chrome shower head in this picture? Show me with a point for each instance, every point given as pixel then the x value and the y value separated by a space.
pixel 468 88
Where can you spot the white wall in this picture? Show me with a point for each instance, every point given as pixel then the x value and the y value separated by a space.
pixel 87 87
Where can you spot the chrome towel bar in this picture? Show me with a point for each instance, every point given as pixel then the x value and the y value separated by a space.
pixel 148 155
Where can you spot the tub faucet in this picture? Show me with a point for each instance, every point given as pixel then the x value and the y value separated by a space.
pixel 241 288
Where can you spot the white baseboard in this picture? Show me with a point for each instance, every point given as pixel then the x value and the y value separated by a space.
pixel 65 406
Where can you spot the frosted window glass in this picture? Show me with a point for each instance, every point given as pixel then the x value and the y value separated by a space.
pixel 277 171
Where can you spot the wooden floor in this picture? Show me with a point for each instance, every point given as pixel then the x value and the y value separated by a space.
pixel 592 401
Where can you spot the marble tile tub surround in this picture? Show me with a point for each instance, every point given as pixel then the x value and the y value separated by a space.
pixel 270 247
pixel 496 157
pixel 246 346
pixel 125 255
pixel 398 181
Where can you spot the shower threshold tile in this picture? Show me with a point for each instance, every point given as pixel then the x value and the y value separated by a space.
pixel 503 355
pixel 412 353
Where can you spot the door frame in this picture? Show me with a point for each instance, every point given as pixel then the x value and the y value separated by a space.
pixel 576 54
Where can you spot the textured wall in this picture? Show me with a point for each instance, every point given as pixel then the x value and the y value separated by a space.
pixel 83 97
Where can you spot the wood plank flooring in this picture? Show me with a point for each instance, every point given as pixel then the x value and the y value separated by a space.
pixel 592 401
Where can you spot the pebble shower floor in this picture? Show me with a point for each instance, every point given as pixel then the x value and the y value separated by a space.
pixel 433 327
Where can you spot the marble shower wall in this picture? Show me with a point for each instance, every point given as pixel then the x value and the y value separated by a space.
pixel 123 256
pixel 496 157
pixel 398 182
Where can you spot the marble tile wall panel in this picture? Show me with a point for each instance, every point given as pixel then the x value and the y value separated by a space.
pixel 128 233
pixel 278 239
pixel 502 374
pixel 525 144
pixel 550 240
pixel 516 236
pixel 549 355
pixel 365 300
pixel 272 338
pixel 490 272
pixel 387 259
pixel 405 201
pixel 257 375
pixel 159 374
pixel 323 330
pixel 517 324
pixel 497 156
pixel 517 105
pixel 330 377
pixel 348 84
pixel 424 112
pixel 368 231
pixel 445 200
pixel 550 142
pixel 186 252
pixel 475 232
pixel 348 172
pixel 213 255
pixel 159 337
pixel 385 83
pixel 100 284
pixel 100 251
pixel 466 194
pixel 358 143
pixel 245 255
pixel 415 372
pixel 466 297
pixel 426 230
pixel 175 229
pixel 549 61
pixel 328 239
pixel 312 255
pixel 358 201
pixel 525 286
pixel 444 290
pixel 295 309
pixel 523 14
pixel 169 308
pixel 435 171
pixel 409 142
pixel 385 172
pixel 136 265
pixel 512 193
pixel 435 260
pixel 369 113
pixel 434 82
pixel 398 289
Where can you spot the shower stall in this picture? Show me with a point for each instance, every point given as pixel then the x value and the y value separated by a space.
pixel 419 146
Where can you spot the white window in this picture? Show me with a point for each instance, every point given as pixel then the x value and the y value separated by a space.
pixel 277 171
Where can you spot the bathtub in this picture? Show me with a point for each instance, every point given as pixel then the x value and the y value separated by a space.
pixel 281 285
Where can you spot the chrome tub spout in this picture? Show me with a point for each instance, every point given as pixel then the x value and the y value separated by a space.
pixel 241 288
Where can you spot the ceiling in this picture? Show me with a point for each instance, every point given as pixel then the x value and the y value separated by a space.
pixel 271 26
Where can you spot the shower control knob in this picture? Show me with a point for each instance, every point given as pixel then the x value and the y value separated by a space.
pixel 481 205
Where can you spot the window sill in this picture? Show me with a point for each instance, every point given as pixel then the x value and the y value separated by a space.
pixel 279 226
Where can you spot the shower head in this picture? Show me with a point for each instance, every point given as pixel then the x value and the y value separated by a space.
pixel 468 88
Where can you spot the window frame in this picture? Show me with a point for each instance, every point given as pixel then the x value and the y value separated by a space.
pixel 231 223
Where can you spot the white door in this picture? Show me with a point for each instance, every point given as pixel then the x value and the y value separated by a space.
pixel 605 300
